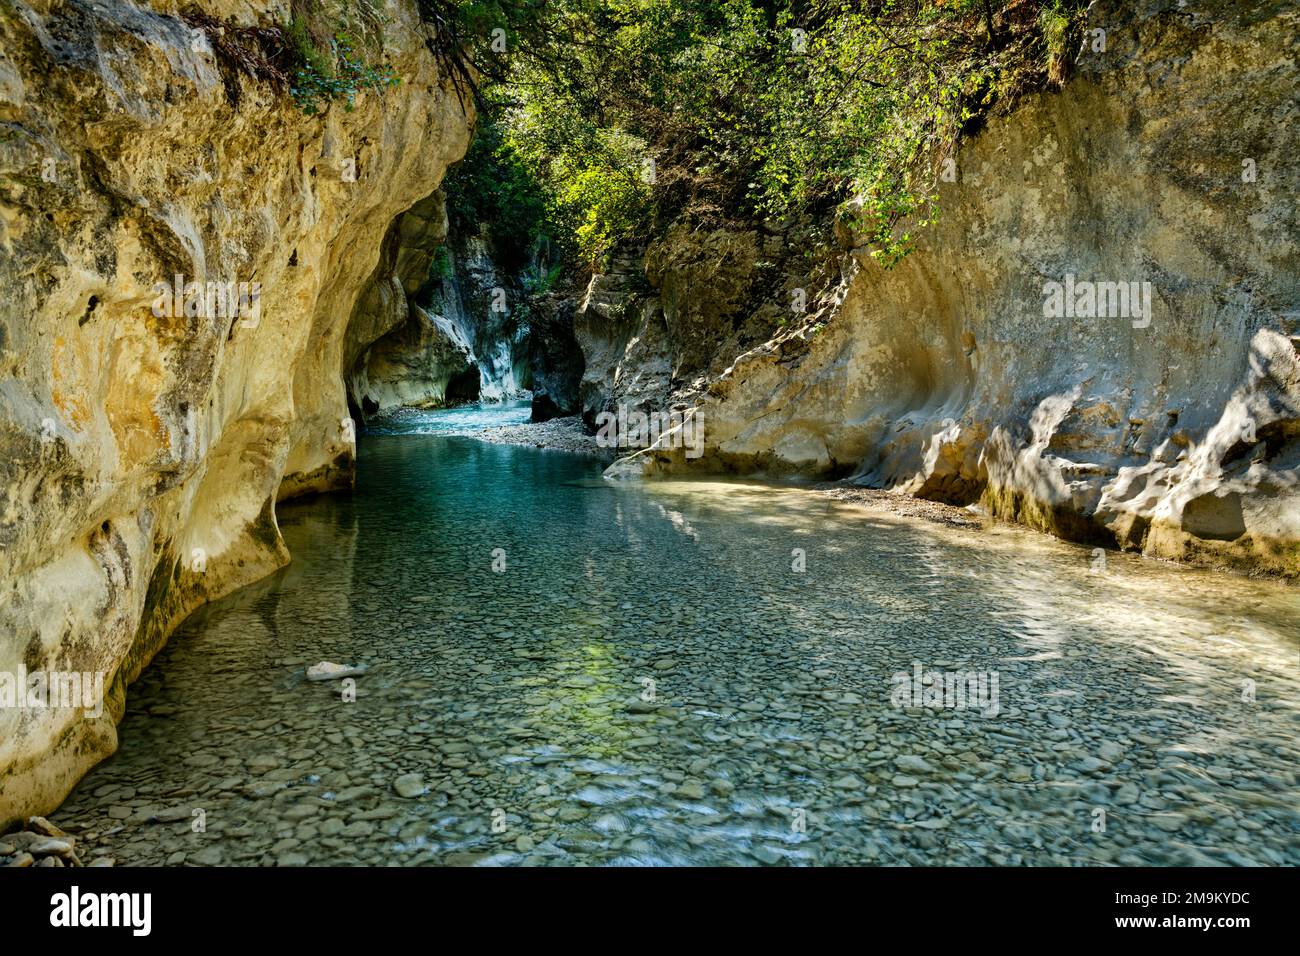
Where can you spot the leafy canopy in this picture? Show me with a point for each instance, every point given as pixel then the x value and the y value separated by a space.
pixel 627 114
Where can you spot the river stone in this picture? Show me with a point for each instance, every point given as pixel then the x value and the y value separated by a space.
pixel 209 856
pixel 410 785
pixel 1111 751
pixel 327 670
pixel 913 763
pixel 767 855
pixel 42 825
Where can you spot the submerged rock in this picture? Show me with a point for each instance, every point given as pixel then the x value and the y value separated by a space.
pixel 410 785
pixel 327 670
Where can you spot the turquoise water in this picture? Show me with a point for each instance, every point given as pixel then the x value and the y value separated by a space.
pixel 460 420
pixel 644 678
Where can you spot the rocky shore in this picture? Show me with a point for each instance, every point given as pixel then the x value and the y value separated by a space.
pixel 558 434
pixel 906 506
pixel 40 843
pixel 1170 430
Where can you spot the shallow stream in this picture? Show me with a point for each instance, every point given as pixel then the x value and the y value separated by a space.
pixel 565 670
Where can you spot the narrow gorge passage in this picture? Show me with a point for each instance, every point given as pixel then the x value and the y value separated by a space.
pixel 648 680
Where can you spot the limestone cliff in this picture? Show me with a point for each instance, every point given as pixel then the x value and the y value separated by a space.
pixel 555 358
pixel 143 447
pixel 1172 158
pixel 465 336
pixel 400 354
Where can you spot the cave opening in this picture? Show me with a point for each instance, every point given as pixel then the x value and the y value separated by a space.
pixel 464 387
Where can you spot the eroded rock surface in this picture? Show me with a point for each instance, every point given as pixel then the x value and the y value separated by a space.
pixel 405 355
pixel 1172 159
pixel 556 359
pixel 465 336
pixel 141 455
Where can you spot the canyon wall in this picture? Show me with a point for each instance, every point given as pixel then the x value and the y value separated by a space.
pixel 465 336
pixel 142 449
pixel 555 358
pixel 1170 158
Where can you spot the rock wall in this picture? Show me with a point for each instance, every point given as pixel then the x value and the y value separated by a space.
pixel 490 309
pixel 1171 158
pixel 465 336
pixel 141 454
pixel 619 327
pixel 401 355
pixel 659 326
pixel 555 358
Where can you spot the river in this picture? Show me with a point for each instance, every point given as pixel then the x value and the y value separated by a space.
pixel 565 670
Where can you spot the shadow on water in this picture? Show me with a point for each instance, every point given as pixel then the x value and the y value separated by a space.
pixel 645 679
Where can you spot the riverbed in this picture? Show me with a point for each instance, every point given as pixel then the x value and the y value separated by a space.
pixel 565 670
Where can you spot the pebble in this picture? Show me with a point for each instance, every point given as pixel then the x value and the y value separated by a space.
pixel 327 670
pixel 913 763
pixel 410 785
pixel 767 855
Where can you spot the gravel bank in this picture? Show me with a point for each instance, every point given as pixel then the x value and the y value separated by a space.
pixel 559 434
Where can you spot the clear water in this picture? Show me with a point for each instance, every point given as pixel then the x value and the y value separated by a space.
pixel 461 420
pixel 648 681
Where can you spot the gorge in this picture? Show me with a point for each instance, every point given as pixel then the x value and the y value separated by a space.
pixel 886 447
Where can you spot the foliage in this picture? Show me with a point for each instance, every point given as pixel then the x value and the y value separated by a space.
pixel 748 110
pixel 442 266
pixel 314 87
pixel 597 182
pixel 542 280
pixel 493 185
pixel 336 48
